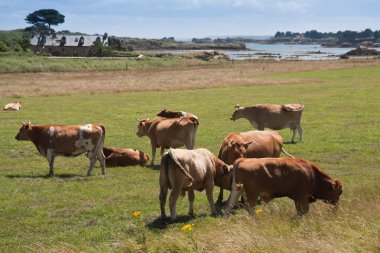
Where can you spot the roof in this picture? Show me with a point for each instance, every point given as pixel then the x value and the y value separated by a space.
pixel 71 40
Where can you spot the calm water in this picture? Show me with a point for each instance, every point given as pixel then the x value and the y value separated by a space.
pixel 287 52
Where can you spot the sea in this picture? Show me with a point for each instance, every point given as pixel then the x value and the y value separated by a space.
pixel 287 52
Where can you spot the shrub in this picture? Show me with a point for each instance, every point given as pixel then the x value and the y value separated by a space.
pixel 3 47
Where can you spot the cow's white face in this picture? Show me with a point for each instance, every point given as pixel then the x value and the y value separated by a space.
pixel 23 132
pixel 142 128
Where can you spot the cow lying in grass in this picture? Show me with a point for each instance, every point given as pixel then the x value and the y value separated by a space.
pixel 124 156
pixel 269 178
pixel 275 117
pixel 188 170
pixel 54 140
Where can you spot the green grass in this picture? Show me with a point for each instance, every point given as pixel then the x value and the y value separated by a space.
pixel 72 213
pixel 24 62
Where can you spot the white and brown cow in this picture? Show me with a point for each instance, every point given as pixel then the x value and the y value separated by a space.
pixel 275 117
pixel 188 170
pixel 124 156
pixel 251 144
pixel 15 106
pixel 66 140
pixel 168 133
pixel 269 178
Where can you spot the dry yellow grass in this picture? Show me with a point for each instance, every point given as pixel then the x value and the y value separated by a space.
pixel 236 73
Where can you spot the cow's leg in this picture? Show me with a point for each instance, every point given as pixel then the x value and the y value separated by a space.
pixel 302 206
pixel 191 197
pixel 232 199
pixel 299 129
pixel 174 195
pixel 250 202
pixel 92 158
pixel 162 151
pixel 163 195
pixel 210 198
pixel 50 158
pixel 102 159
pixel 220 197
pixel 294 135
pixel 153 153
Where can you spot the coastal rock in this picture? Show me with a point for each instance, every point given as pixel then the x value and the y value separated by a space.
pixel 360 51
pixel 208 55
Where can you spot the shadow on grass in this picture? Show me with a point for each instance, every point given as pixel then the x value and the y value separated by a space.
pixel 290 142
pixel 67 175
pixel 158 223
pixel 154 167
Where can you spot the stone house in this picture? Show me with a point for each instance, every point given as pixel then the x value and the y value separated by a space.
pixel 67 44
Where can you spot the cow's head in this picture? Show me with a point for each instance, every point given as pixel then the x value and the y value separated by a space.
pixel 143 127
pixel 22 134
pixel 235 150
pixel 332 196
pixel 237 113
pixel 223 175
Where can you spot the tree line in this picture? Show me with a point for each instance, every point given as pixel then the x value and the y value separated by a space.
pixel 341 36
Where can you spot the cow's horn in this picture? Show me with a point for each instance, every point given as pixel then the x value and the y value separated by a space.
pixel 137 119
pixel 147 118
pixel 21 123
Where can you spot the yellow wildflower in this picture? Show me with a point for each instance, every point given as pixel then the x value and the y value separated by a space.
pixel 259 211
pixel 187 227
pixel 136 214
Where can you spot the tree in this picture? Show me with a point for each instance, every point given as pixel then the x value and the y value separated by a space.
pixel 45 17
pixel 41 21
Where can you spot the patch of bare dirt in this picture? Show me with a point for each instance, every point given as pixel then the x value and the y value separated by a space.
pixel 234 74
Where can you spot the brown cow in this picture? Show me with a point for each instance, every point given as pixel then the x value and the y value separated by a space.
pixel 188 170
pixel 124 156
pixel 268 178
pixel 170 114
pixel 53 140
pixel 272 116
pixel 15 106
pixel 167 133
pixel 251 144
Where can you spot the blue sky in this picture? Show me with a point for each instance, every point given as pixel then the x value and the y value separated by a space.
pixel 198 18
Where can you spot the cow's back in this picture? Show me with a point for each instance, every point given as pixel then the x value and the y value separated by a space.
pixel 264 144
pixel 172 133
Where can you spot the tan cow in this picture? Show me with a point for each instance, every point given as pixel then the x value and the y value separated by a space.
pixel 15 106
pixel 124 156
pixel 251 144
pixel 54 140
pixel 188 170
pixel 272 116
pixel 171 114
pixel 269 178
pixel 167 133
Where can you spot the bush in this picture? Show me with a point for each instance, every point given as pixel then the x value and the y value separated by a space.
pixel 3 47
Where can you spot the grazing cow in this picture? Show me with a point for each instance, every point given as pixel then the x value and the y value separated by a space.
pixel 252 144
pixel 272 116
pixel 53 140
pixel 15 106
pixel 188 170
pixel 170 114
pixel 167 133
pixel 268 178
pixel 124 156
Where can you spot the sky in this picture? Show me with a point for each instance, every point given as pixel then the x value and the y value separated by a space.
pixel 198 18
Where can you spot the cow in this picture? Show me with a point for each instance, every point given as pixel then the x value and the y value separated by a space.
pixel 66 140
pixel 167 133
pixel 188 170
pixel 251 144
pixel 172 114
pixel 275 117
pixel 268 178
pixel 124 156
pixel 15 106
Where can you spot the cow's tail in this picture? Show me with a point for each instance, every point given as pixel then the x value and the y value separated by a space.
pixel 103 134
pixel 194 135
pixel 164 172
pixel 286 153
pixel 181 167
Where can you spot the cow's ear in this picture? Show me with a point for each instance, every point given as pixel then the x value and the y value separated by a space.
pixel 247 144
pixel 227 169
pixel 230 144
pixel 26 126
pixel 338 184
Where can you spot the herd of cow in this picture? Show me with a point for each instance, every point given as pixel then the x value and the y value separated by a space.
pixel 248 163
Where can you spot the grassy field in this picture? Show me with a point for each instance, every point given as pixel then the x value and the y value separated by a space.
pixel 74 213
